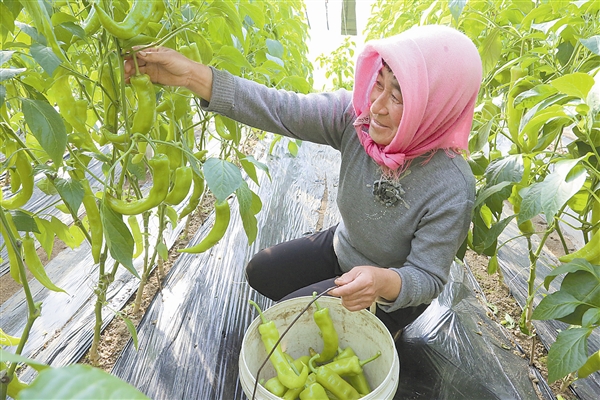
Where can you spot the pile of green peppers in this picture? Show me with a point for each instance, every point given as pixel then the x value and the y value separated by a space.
pixel 334 373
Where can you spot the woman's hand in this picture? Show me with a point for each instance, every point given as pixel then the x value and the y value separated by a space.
pixel 362 285
pixel 168 67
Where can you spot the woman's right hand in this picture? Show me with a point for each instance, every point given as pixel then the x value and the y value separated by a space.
pixel 168 67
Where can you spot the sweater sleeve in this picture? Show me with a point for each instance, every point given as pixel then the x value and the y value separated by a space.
pixel 317 117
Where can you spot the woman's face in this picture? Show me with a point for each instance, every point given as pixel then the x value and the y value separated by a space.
pixel 386 107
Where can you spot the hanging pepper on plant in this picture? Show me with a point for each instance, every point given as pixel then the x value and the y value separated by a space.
pixel 222 217
pixel 195 197
pixel 181 185
pixel 146 111
pixel 270 335
pixel 134 23
pixel 159 165
pixel 25 172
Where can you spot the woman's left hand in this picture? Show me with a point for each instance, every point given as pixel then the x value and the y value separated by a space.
pixel 362 285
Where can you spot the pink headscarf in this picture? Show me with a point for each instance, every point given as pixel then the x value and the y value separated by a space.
pixel 439 72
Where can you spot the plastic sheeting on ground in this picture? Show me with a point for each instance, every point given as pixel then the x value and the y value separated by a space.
pixel 513 260
pixel 190 337
pixel 64 331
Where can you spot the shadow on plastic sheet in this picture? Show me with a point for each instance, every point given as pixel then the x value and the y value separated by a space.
pixel 454 351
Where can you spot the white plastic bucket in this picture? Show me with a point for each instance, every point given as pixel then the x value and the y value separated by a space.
pixel 361 330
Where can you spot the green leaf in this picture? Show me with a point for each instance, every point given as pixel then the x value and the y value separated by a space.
pixel 554 191
pixel 46 235
pixel 24 221
pixel 162 251
pixel 555 305
pixel 583 286
pixel 293 148
pixel 222 177
pixel 568 353
pixel 79 381
pixel 231 59
pixel 8 340
pixel 45 57
pixel 172 215
pixel 490 50
pixel 7 20
pixel 229 14
pixel 591 365
pixel 275 48
pixel 8 73
pixel 46 186
pixel 591 317
pixel 6 356
pixel 132 330
pixel 62 231
pixel 71 191
pixel 47 127
pixel 578 264
pixel 480 138
pixel 592 44
pixel 488 191
pixel 456 7
pixel 118 238
pixel 32 32
pixel 531 97
pixel 250 205
pixel 5 56
pixel 2 95
pixel 576 84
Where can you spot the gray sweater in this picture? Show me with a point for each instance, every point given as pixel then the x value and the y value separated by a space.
pixel 417 237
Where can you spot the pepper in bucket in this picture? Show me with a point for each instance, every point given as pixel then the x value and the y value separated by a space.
pixel 285 373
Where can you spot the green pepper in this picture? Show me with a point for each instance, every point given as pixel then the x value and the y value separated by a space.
pixel 274 386
pixel 146 111
pixel 314 391
pixel 222 217
pixel 25 171
pixel 589 252
pixel 134 23
pixel 136 232
pixel 94 220
pixel 358 381
pixel 328 333
pixel 194 197
pixel 91 24
pixel 181 186
pixel 61 91
pixel 270 335
pixel 34 264
pixel 191 51
pixel 110 103
pixel 13 253
pixel 160 187
pixel 333 382
pixel 513 116
pixel 292 394
pixel 350 366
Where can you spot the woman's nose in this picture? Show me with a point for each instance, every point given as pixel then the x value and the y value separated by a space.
pixel 378 105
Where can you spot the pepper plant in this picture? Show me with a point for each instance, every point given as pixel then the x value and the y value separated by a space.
pixel 535 144
pixel 120 157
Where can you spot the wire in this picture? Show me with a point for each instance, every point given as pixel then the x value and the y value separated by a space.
pixel 283 334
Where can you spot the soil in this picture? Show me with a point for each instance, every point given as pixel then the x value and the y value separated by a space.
pixel 503 308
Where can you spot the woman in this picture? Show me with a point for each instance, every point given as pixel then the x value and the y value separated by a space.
pixel 405 193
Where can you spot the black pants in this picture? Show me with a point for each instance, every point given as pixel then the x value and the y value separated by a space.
pixel 302 266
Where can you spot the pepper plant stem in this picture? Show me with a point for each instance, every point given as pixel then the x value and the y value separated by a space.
pixel 33 309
